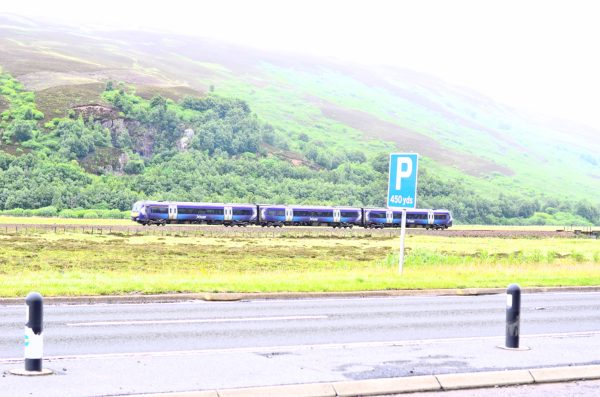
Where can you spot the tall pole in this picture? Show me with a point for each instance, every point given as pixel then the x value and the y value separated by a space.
pixel 402 233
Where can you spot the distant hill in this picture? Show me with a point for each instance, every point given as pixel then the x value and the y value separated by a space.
pixel 314 106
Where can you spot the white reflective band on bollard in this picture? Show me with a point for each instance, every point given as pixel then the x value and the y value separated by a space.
pixel 34 344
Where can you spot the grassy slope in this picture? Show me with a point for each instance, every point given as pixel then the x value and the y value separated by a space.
pixel 517 157
pixel 461 134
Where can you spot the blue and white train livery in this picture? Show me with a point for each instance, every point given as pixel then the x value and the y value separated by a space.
pixel 298 215
pixel 163 212
pixel 428 219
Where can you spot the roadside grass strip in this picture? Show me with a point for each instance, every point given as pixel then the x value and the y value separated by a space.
pixel 76 264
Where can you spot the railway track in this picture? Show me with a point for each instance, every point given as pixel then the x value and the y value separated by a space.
pixel 256 231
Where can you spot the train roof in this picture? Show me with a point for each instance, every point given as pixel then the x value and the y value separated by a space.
pixel 408 209
pixel 316 207
pixel 190 203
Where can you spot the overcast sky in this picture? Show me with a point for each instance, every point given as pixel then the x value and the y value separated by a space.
pixel 538 55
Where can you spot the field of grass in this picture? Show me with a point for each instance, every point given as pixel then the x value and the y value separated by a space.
pixel 85 264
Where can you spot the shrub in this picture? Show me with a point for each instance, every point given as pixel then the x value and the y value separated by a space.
pixel 49 211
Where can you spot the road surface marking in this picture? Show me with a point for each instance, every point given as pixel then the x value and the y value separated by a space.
pixel 297 348
pixel 195 321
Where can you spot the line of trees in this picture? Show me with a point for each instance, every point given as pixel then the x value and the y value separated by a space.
pixel 226 160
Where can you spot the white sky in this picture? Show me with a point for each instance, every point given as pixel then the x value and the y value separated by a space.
pixel 539 55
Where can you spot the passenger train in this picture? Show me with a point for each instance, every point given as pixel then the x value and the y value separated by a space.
pixel 161 213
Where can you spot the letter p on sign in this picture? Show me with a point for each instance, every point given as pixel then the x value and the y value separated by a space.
pixel 404 167
pixel 402 186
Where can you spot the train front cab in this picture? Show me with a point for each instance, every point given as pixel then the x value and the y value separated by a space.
pixel 138 212
pixel 150 212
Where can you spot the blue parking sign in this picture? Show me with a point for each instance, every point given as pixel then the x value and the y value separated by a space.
pixel 402 186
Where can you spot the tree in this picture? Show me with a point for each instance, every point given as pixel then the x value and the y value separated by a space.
pixel 588 211
pixel 134 167
pixel 76 141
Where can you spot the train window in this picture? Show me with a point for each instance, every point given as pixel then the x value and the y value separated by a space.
pixel 200 211
pixel 159 210
pixel 349 214
pixel 302 213
pixel 398 215
pixel 440 217
pixel 242 212
pixel 377 215
pixel 276 212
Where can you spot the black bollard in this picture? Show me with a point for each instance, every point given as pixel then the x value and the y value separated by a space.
pixel 34 340
pixel 513 316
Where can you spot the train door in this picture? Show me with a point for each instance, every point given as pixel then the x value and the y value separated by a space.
pixel 227 214
pixel 289 214
pixel 172 211
pixel 389 216
pixel 337 216
pixel 430 217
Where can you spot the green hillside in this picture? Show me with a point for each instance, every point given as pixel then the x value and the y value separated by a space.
pixel 117 116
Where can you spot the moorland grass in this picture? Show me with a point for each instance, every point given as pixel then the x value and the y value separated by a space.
pixel 85 264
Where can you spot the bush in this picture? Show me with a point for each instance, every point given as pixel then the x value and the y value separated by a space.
pixel 13 212
pixel 49 211
pixel 72 213
pixel 134 167
pixel 90 214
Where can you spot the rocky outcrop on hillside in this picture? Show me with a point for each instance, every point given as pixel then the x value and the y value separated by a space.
pixel 123 132
pixel 141 137
pixel 184 142
pixel 97 112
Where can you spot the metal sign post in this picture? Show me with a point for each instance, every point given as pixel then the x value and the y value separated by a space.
pixel 402 190
pixel 402 232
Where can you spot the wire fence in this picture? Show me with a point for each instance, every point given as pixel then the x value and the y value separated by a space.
pixel 284 232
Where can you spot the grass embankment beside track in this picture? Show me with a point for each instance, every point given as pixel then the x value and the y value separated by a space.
pixel 75 263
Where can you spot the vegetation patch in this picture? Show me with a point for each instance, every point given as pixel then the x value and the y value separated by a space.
pixel 57 101
pixel 122 147
pixel 83 264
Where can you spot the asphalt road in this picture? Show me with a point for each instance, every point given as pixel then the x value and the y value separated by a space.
pixel 112 349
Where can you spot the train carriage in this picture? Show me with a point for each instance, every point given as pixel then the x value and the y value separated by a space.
pixel 161 213
pixel 428 219
pixel 295 215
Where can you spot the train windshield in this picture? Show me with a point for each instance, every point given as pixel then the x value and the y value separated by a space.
pixel 137 206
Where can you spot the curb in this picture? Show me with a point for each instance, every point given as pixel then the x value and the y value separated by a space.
pixel 414 384
pixel 235 296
